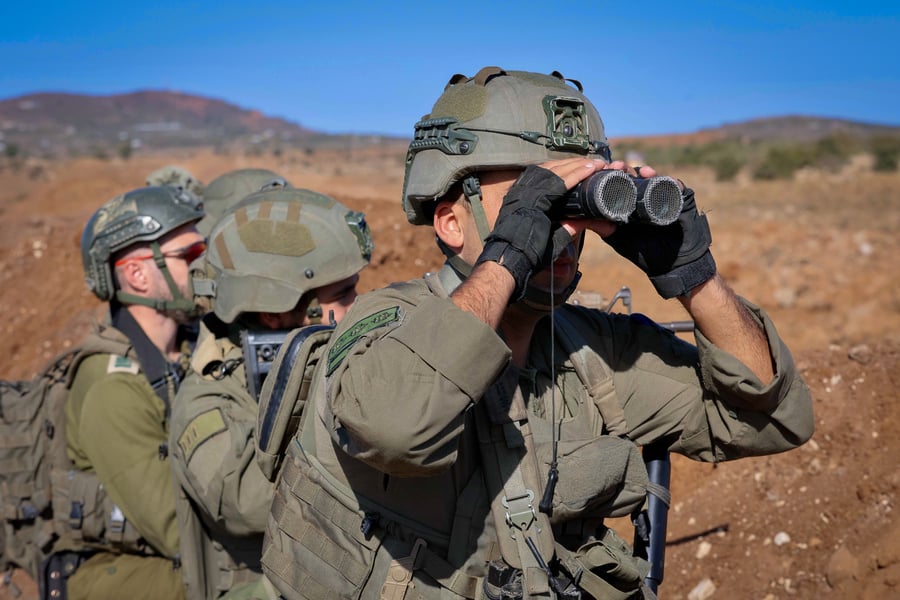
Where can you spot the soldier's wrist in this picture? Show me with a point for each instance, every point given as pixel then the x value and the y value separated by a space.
pixel 513 260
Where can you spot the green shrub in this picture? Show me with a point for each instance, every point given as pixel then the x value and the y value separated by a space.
pixel 886 150
pixel 781 162
pixel 726 167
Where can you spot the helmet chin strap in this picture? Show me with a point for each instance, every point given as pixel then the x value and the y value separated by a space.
pixel 535 299
pixel 178 302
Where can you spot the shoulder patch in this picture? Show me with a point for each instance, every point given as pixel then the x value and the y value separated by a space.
pixel 122 364
pixel 203 427
pixel 346 340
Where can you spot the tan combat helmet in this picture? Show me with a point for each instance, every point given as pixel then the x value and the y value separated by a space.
pixel 228 189
pixel 278 244
pixel 493 121
pixel 143 215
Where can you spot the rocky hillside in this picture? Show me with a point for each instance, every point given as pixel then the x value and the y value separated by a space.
pixel 57 125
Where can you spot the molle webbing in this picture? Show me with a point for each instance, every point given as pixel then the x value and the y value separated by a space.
pixel 325 497
pixel 513 479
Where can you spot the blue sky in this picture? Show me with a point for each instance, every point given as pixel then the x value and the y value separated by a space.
pixel 376 67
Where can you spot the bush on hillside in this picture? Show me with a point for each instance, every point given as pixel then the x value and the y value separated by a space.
pixel 726 167
pixel 781 162
pixel 886 150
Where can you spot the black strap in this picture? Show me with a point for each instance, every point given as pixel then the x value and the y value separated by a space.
pixel 54 574
pixel 156 368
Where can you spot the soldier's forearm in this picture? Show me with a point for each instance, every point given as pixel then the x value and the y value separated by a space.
pixel 719 314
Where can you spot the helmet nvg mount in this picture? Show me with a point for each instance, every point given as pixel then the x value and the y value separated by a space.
pixel 143 215
pixel 278 244
pixel 493 121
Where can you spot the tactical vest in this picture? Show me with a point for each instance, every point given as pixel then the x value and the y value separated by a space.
pixel 384 537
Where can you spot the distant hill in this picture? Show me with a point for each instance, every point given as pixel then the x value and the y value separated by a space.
pixel 56 124
pixel 794 128
pixel 60 124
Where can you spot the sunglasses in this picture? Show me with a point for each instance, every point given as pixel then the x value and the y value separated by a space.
pixel 188 253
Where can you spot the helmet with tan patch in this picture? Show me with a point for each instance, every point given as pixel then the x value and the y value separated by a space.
pixel 493 121
pixel 276 245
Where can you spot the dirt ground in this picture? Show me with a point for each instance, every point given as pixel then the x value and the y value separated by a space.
pixel 818 253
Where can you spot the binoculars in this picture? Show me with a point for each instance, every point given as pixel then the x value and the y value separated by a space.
pixel 617 196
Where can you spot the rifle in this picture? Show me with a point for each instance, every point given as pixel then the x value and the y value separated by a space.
pixel 260 349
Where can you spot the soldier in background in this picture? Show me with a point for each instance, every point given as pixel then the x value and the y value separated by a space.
pixel 177 177
pixel 231 187
pixel 136 250
pixel 282 258
pixel 467 433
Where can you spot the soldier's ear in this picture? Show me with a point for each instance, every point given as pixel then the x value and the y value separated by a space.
pixel 448 224
pixel 133 276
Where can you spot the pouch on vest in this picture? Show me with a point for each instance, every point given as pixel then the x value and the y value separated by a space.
pixel 598 478
pixel 284 393
pixel 605 567
pixel 85 514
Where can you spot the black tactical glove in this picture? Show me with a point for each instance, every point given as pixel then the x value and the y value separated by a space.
pixel 524 239
pixel 676 256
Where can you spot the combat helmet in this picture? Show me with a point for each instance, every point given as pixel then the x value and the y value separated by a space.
pixel 141 215
pixel 177 177
pixel 278 244
pixel 496 120
pixel 228 189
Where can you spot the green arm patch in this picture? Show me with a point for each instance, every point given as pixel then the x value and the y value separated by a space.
pixel 203 427
pixel 346 340
pixel 122 364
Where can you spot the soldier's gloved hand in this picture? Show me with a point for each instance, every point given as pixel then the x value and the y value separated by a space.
pixel 524 239
pixel 675 256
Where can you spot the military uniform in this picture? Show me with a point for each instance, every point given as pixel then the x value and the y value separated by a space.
pixel 224 499
pixel 116 426
pixel 387 465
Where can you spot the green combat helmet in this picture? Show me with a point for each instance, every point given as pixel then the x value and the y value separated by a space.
pixel 493 121
pixel 177 177
pixel 496 120
pixel 143 215
pixel 278 244
pixel 228 189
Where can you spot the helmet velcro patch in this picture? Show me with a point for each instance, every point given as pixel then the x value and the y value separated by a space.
pixel 463 101
pixel 277 237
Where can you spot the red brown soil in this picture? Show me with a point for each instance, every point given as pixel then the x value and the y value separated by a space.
pixel 816 252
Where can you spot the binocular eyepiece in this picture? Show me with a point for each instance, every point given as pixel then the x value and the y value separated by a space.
pixel 617 196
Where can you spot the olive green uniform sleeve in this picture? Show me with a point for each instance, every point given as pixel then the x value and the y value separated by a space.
pixel 398 396
pixel 91 370
pixel 710 405
pixel 213 429
pixel 121 428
